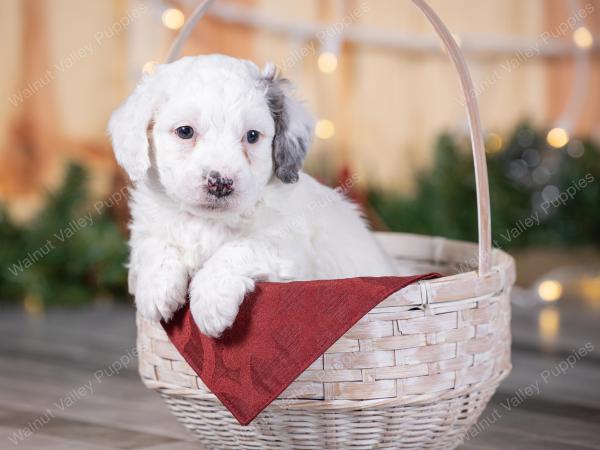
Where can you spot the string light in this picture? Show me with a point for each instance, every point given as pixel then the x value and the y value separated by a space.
pixel 330 51
pixel 549 324
pixel 576 149
pixel 493 143
pixel 33 305
pixel 325 129
pixel 367 35
pixel 590 291
pixel 550 290
pixel 327 62
pixel 557 137
pixel 583 38
pixel 173 19
pixel 579 81
pixel 148 68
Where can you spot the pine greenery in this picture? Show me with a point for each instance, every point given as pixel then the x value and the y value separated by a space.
pixel 524 175
pixel 68 255
pixel 63 258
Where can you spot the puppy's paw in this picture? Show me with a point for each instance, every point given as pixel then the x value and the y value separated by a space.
pixel 215 299
pixel 159 293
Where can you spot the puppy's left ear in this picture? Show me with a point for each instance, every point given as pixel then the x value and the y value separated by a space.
pixel 128 128
pixel 293 126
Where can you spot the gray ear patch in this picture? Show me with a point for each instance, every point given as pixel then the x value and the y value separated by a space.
pixel 291 140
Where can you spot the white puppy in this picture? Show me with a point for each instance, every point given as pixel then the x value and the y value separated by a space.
pixel 214 149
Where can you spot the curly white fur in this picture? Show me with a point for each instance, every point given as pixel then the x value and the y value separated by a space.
pixel 269 228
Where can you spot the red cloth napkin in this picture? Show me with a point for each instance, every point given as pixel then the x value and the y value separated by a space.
pixel 281 329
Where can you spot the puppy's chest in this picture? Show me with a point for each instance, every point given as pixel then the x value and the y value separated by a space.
pixel 199 242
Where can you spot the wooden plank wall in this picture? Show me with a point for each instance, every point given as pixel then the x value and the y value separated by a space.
pixel 388 106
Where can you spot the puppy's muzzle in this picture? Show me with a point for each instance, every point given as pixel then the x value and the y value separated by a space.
pixel 219 186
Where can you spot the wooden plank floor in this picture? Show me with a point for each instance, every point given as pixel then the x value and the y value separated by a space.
pixel 52 395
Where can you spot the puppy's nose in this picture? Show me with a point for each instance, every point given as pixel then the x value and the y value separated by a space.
pixel 219 186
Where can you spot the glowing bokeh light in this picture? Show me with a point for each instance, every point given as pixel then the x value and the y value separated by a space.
pixel 173 19
pixel 557 137
pixel 327 62
pixel 325 129
pixel 550 290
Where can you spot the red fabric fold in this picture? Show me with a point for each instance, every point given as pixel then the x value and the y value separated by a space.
pixel 281 329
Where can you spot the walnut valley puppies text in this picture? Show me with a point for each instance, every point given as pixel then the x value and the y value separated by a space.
pixel 546 208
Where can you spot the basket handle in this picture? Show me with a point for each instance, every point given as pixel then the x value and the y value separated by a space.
pixel 477 143
pixel 476 133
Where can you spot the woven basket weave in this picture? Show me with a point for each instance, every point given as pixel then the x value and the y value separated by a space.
pixel 415 373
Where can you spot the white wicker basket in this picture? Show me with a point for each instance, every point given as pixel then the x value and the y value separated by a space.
pixel 415 373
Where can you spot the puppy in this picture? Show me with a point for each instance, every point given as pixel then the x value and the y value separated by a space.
pixel 214 148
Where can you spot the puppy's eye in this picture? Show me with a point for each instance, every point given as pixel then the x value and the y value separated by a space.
pixel 185 132
pixel 252 136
